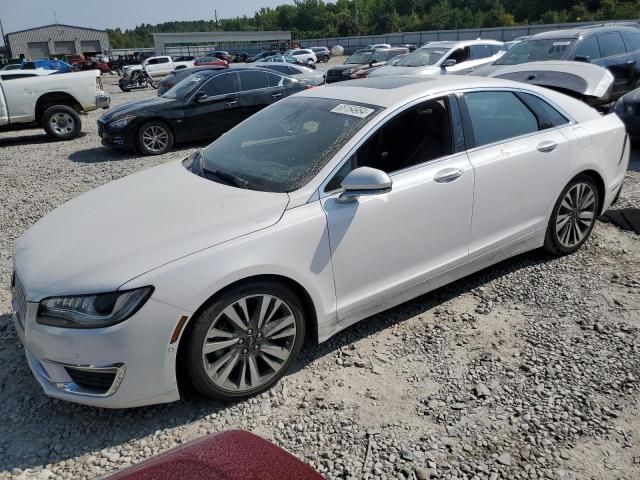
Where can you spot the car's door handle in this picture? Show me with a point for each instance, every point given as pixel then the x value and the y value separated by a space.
pixel 547 147
pixel 276 95
pixel 448 175
pixel 231 103
pixel 469 70
pixel 631 62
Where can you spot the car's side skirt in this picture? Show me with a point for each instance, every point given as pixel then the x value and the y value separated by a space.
pixel 523 244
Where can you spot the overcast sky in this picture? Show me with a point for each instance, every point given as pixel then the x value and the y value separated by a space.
pixel 22 14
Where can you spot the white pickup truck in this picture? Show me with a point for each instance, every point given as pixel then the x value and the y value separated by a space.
pixel 159 66
pixel 53 102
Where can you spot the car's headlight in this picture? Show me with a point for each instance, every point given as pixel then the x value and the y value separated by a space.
pixel 121 122
pixel 92 311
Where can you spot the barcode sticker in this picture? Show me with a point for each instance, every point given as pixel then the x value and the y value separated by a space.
pixel 353 110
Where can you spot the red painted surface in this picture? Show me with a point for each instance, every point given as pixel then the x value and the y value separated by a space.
pixel 216 62
pixel 232 455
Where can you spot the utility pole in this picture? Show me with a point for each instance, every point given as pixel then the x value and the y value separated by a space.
pixel 215 13
pixel 55 17
pixel 4 41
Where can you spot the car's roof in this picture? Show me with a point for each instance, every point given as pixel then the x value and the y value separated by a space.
pixel 577 32
pixel 460 43
pixel 389 91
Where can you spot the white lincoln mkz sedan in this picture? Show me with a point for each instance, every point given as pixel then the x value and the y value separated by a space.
pixel 315 213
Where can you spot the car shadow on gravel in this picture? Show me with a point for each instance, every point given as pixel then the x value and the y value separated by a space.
pixel 103 154
pixel 36 139
pixel 101 428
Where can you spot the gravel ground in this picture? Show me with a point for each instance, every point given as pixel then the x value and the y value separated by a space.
pixel 529 369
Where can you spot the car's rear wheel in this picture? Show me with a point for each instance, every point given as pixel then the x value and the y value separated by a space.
pixel 245 340
pixel 573 217
pixel 155 138
pixel 61 122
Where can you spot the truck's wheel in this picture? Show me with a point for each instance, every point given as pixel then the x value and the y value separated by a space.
pixel 61 122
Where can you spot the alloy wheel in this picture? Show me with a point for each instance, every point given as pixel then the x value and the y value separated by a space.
pixel 249 342
pixel 62 123
pixel 155 138
pixel 576 215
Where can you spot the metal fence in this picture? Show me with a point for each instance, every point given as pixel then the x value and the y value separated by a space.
pixel 503 34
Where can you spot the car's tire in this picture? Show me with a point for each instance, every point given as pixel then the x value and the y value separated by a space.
pixel 61 122
pixel 573 216
pixel 260 329
pixel 311 64
pixel 155 138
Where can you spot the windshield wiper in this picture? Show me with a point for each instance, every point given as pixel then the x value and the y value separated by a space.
pixel 225 177
pixel 219 176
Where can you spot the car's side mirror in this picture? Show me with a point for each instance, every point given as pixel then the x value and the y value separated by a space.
pixel 201 96
pixel 364 181
pixel 450 62
pixel 582 58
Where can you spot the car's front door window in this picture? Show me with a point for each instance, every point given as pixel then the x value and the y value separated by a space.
pixel 219 85
pixel 417 135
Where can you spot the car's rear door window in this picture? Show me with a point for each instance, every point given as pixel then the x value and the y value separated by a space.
pixel 548 116
pixel 611 44
pixel 497 116
pixel 253 80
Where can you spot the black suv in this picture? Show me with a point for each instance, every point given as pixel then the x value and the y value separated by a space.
pixel 616 48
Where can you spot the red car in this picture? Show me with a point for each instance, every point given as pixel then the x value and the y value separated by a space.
pixel 208 61
pixel 232 455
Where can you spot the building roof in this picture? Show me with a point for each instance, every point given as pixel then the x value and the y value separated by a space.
pixel 55 25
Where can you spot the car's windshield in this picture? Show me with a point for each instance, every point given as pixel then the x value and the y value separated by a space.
pixel 361 56
pixel 423 57
pixel 281 148
pixel 187 86
pixel 536 50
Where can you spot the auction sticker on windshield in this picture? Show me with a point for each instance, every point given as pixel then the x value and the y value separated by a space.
pixel 353 110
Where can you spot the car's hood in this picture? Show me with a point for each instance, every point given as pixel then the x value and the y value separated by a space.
pixel 584 79
pixel 131 108
pixel 395 70
pixel 632 97
pixel 104 238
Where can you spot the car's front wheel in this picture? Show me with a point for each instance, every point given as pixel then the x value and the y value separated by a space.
pixel 573 217
pixel 245 340
pixel 155 138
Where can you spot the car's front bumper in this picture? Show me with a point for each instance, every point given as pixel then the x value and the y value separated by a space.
pixel 127 365
pixel 116 138
pixel 103 101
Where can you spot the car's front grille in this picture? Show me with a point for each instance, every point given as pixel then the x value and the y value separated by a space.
pixel 94 381
pixel 19 300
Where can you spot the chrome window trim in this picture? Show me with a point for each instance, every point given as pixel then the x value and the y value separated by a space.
pixel 393 113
